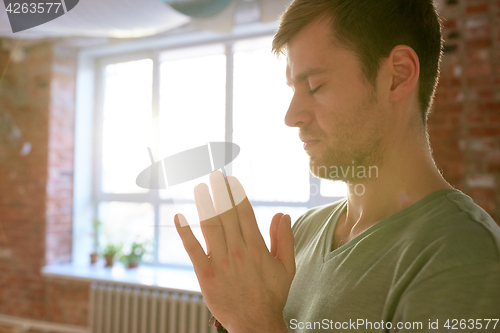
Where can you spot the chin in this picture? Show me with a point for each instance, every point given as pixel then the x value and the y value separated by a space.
pixel 318 169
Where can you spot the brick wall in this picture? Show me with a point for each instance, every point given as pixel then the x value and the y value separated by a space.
pixel 25 95
pixel 464 125
pixel 37 91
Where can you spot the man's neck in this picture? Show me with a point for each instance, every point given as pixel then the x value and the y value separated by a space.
pixel 408 174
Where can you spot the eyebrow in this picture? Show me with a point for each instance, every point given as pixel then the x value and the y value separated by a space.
pixel 305 75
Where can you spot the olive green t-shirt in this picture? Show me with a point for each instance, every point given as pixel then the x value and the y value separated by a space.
pixel 436 262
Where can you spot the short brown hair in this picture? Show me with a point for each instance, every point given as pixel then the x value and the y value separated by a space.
pixel 372 28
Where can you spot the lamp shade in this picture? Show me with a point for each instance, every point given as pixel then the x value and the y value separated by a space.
pixel 198 8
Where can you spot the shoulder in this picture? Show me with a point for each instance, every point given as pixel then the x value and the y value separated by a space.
pixel 473 213
pixel 448 249
pixel 452 231
pixel 313 221
pixel 314 217
pixel 454 218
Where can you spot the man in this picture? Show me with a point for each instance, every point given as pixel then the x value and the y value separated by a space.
pixel 404 250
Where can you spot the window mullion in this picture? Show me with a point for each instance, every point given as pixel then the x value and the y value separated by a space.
pixel 100 89
pixel 155 194
pixel 229 97
pixel 98 131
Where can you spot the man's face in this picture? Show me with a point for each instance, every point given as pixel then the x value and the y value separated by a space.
pixel 335 108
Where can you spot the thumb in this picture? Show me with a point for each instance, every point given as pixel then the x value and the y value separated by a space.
pixel 286 252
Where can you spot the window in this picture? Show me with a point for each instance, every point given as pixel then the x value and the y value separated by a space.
pixel 178 99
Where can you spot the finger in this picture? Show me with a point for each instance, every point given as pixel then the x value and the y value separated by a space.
pixel 209 221
pixel 273 233
pixel 286 252
pixel 248 223
pixel 224 207
pixel 191 244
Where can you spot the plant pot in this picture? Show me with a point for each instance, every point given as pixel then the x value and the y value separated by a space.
pixel 133 265
pixel 109 259
pixel 93 257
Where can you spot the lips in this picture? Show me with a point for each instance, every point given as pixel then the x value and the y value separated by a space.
pixel 308 144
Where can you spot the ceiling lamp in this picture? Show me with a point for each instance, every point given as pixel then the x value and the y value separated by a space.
pixel 198 8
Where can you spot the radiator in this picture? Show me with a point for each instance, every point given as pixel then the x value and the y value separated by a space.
pixel 116 308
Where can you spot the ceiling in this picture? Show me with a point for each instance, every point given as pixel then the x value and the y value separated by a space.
pixel 141 18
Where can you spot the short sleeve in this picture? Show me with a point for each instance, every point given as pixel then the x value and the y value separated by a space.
pixel 461 293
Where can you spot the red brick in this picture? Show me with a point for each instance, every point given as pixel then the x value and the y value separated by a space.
pixel 448 96
pixel 478 55
pixel 495 118
pixel 493 156
pixel 456 169
pixel 489 106
pixel 475 118
pixel 482 193
pixel 478 69
pixel 448 109
pixel 483 81
pixel 477 8
pixel 485 94
pixel 478 43
pixel 484 131
pixel 482 144
pixel 493 168
pixel 450 24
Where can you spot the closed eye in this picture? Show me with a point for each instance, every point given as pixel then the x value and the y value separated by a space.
pixel 312 92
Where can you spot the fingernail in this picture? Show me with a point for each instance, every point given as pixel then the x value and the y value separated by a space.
pixel 236 189
pixel 219 190
pixel 203 202
pixel 182 220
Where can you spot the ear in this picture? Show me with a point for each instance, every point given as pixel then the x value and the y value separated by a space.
pixel 405 70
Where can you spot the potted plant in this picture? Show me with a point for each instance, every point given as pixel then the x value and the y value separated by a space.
pixel 109 253
pixel 133 259
pixel 96 226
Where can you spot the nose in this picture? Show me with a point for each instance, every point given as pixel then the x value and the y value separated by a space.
pixel 298 113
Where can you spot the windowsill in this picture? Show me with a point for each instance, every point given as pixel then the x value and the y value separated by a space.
pixel 159 277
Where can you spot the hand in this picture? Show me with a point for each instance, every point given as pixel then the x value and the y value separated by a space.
pixel 244 285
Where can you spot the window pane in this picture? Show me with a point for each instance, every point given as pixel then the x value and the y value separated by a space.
pixel 272 164
pixel 126 125
pixel 329 188
pixel 192 105
pixel 171 250
pixel 125 222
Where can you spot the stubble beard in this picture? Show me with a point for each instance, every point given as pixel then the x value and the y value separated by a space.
pixel 351 152
pixel 352 166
